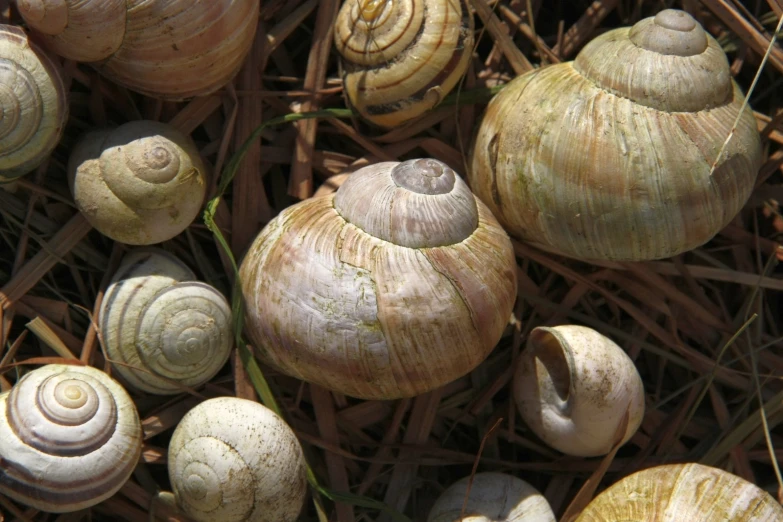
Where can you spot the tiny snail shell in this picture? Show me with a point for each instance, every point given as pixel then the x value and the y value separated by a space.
pixel 573 387
pixel 33 104
pixel 688 492
pixel 70 437
pixel 402 57
pixel 141 183
pixel 232 460
pixel 163 326
pixel 494 497
pixel 395 285
pixel 171 49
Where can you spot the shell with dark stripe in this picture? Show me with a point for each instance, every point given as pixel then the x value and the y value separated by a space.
pixel 70 437
pixel 402 57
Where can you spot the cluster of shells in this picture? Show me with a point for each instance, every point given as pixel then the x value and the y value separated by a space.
pixel 397 284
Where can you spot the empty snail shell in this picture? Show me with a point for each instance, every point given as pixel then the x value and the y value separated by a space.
pixel 573 387
pixel 620 154
pixel 33 104
pixel 164 48
pixel 233 460
pixel 165 329
pixel 140 184
pixel 397 284
pixel 494 497
pixel 70 437
pixel 402 57
pixel 691 492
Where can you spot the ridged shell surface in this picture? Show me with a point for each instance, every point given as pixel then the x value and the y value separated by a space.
pixel 235 460
pixel 70 437
pixel 396 285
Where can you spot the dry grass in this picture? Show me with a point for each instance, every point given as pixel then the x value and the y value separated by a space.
pixel 703 328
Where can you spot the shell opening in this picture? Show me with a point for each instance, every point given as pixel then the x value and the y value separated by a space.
pixel 551 362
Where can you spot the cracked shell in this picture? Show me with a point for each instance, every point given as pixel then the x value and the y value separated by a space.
pixel 397 284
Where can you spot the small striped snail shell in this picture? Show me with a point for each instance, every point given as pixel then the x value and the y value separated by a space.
pixel 402 57
pixel 172 49
pixel 692 492
pixel 70 437
pixel 33 104
pixel 494 497
pixel 140 184
pixel 162 326
pixel 235 460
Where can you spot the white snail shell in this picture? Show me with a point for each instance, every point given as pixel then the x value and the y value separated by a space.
pixel 397 284
pixel 232 460
pixel 573 386
pixel 688 492
pixel 402 57
pixel 164 48
pixel 141 183
pixel 33 104
pixel 162 325
pixel 70 437
pixel 494 497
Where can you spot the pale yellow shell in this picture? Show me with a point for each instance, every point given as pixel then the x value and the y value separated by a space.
pixel 494 497
pixel 573 387
pixel 33 104
pixel 397 284
pixel 160 327
pixel 164 48
pixel 611 156
pixel 682 492
pixel 233 460
pixel 141 183
pixel 402 57
pixel 70 437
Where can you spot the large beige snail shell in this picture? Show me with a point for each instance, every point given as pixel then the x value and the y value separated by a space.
pixel 141 183
pixel 611 156
pixel 235 460
pixel 402 57
pixel 160 327
pixel 573 387
pixel 397 284
pixel 70 437
pixel 688 492
pixel 494 497
pixel 163 48
pixel 33 104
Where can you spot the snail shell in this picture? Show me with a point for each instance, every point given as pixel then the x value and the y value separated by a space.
pixel 691 492
pixel 397 284
pixel 402 57
pixel 573 387
pixel 156 317
pixel 141 183
pixel 33 104
pixel 610 156
pixel 70 437
pixel 163 48
pixel 232 460
pixel 494 497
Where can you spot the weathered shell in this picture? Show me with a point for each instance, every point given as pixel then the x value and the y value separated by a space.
pixel 164 48
pixel 160 327
pixel 494 497
pixel 573 387
pixel 70 437
pixel 397 284
pixel 232 460
pixel 611 156
pixel 33 104
pixel 675 492
pixel 402 57
pixel 141 183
